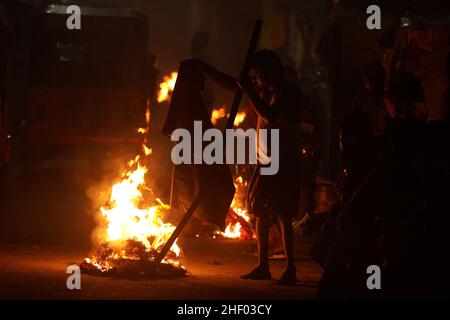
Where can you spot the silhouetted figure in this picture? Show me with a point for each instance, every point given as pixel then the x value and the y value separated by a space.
pixel 277 103
pixel 153 74
pixel 401 208
pixel 406 89
pixel 433 168
pixel 370 101
pixel 359 153
pixel 435 176
pixel 357 232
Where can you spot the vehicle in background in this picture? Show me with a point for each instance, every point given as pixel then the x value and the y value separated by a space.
pixel 88 89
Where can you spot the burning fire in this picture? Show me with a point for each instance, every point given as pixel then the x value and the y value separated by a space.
pixel 133 230
pixel 240 117
pixel 217 114
pixel 233 230
pixel 238 226
pixel 166 87
pixel 126 221
pixel 220 113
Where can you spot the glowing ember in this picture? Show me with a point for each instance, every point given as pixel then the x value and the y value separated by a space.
pixel 220 113
pixel 166 87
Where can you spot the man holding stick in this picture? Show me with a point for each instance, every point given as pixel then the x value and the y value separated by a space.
pixel 277 102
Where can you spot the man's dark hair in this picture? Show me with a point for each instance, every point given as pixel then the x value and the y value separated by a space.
pixel 269 64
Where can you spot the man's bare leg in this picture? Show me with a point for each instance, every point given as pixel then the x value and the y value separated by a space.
pixel 290 273
pixel 262 271
pixel 262 230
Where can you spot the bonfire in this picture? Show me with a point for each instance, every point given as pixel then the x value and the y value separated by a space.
pixel 238 219
pixel 133 232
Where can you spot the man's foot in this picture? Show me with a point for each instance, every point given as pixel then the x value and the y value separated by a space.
pixel 289 277
pixel 259 273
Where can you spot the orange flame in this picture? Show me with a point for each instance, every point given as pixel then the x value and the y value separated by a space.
pixel 240 117
pixel 166 87
pixel 219 113
pixel 233 229
pixel 127 219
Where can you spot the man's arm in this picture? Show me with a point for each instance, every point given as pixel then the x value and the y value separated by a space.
pixel 222 79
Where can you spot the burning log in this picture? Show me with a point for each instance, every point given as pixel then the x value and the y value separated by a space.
pixel 130 259
pixel 238 220
pixel 238 227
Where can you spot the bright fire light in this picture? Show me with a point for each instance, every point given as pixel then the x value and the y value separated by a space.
pixel 166 87
pixel 240 117
pixel 127 218
pixel 126 221
pixel 219 113
pixel 233 230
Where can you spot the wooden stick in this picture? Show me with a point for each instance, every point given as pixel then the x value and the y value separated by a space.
pixel 238 95
pixel 180 227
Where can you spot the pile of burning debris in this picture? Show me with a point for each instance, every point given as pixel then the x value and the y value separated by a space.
pixel 130 258
pixel 238 221
pixel 133 232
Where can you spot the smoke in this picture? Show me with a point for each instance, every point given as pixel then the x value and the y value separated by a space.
pixel 108 171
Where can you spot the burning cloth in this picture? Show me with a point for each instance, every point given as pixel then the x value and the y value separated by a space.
pixel 215 181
